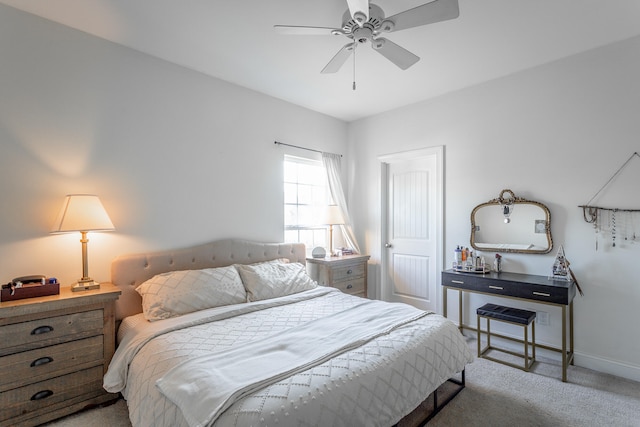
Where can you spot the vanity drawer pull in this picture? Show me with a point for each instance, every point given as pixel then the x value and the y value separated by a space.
pixel 500 288
pixel 41 361
pixel 41 395
pixel 542 294
pixel 458 281
pixel 42 330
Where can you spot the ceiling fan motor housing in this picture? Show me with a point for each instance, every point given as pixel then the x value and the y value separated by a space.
pixel 351 26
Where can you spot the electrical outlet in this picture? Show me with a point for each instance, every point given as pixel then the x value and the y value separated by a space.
pixel 542 318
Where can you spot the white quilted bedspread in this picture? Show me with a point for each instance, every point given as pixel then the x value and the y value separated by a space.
pixel 373 385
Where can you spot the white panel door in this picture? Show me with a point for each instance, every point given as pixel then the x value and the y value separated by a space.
pixel 413 230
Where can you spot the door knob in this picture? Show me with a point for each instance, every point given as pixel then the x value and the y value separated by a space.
pixel 387 245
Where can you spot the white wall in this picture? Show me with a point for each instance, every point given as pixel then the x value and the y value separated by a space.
pixel 554 134
pixel 177 157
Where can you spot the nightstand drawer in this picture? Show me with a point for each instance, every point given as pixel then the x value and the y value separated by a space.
pixel 348 272
pixel 39 395
pixel 20 369
pixel 355 286
pixel 39 333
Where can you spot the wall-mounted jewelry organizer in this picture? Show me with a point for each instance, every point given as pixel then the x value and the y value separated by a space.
pixel 620 224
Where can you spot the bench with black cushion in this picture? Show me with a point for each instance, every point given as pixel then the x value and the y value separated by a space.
pixel 514 316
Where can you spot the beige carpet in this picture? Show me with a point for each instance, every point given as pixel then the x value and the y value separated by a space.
pixel 495 395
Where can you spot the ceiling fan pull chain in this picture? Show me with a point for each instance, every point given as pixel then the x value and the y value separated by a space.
pixel 354 65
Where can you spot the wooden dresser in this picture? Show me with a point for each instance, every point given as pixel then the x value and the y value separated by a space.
pixel 347 273
pixel 54 351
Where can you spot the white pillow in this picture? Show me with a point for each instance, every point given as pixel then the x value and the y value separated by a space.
pixel 272 280
pixel 179 292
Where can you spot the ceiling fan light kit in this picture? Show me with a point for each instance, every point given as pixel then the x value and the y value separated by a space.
pixel 364 21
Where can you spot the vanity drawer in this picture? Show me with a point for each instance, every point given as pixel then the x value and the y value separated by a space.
pixel 352 287
pixel 499 284
pixel 42 394
pixel 20 369
pixel 53 330
pixel 348 272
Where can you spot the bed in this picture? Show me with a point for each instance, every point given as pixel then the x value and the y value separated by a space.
pixel 234 333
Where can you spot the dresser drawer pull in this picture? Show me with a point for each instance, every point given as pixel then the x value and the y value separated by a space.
pixel 41 395
pixel 42 330
pixel 542 294
pixel 349 271
pixel 349 286
pixel 460 282
pixel 41 361
pixel 500 288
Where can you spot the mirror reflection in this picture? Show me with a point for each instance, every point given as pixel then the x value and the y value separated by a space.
pixel 511 224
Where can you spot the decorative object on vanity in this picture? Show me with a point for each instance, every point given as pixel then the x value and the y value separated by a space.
pixel 347 273
pixel 465 260
pixel 29 287
pixel 511 224
pixel 54 352
pixel 497 263
pixel 561 270
pixel 623 224
pixel 83 213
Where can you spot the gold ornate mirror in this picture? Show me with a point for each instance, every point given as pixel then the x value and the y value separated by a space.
pixel 511 224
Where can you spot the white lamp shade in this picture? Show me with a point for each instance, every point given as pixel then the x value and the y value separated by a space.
pixel 333 215
pixel 82 212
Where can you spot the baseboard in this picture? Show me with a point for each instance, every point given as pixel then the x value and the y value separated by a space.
pixel 608 366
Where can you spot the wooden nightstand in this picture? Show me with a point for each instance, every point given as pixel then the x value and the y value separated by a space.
pixel 347 273
pixel 54 351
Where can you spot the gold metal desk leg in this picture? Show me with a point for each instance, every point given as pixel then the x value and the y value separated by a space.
pixel 571 331
pixel 564 344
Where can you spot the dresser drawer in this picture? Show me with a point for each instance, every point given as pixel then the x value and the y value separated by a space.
pixel 355 286
pixel 37 396
pixel 20 369
pixel 39 333
pixel 348 272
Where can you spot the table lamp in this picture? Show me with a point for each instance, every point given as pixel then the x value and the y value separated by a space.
pixel 83 213
pixel 333 216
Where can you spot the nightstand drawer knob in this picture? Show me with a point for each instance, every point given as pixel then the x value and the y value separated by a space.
pixel 349 271
pixel 41 361
pixel 42 330
pixel 349 286
pixel 41 395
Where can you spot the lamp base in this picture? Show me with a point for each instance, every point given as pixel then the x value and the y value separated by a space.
pixel 85 285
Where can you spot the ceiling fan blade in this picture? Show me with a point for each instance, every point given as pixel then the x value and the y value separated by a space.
pixel 304 31
pixel 339 59
pixel 394 53
pixel 359 10
pixel 429 13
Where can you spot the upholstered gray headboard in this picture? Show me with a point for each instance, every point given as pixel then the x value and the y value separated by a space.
pixel 130 271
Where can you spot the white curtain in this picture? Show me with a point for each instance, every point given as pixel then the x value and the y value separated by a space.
pixel 332 166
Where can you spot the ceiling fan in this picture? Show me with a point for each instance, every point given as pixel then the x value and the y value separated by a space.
pixel 364 21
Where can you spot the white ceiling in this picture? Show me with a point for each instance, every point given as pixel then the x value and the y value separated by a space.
pixel 234 40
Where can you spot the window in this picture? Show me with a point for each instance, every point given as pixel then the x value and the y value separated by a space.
pixel 306 194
